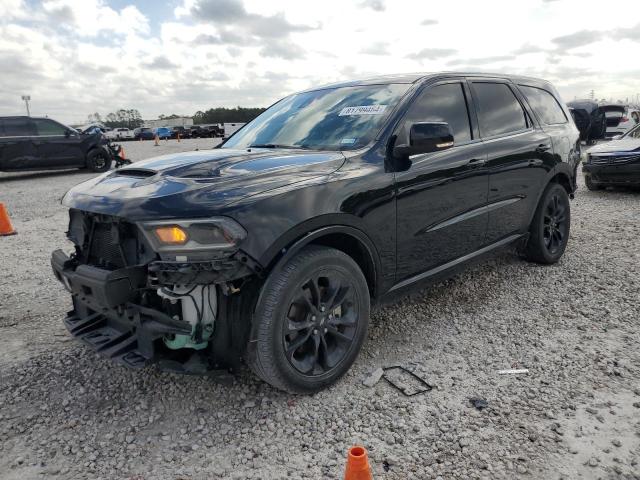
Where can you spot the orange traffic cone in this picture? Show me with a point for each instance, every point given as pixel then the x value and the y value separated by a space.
pixel 5 224
pixel 122 155
pixel 178 138
pixel 357 464
pixel 157 141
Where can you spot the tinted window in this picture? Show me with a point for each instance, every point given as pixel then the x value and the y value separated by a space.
pixel 442 103
pixel 499 111
pixel 47 127
pixel 545 105
pixel 14 127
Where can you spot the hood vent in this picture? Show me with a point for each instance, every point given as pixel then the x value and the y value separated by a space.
pixel 135 172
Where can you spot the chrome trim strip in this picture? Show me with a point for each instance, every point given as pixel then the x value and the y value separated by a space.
pixel 457 261
pixel 471 214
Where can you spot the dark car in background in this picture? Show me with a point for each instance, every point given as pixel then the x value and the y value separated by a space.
pixel 197 131
pixel 33 143
pixel 272 248
pixel 206 131
pixel 590 120
pixel 143 133
pixel 214 131
pixel 615 163
pixel 183 132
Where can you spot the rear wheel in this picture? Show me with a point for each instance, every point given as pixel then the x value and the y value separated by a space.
pixel 311 320
pixel 549 230
pixel 98 160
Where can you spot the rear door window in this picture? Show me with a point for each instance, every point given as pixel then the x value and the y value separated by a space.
pixel 15 127
pixel 48 128
pixel 441 103
pixel 545 105
pixel 499 111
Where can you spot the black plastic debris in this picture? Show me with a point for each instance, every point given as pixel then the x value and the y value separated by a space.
pixel 405 381
pixel 479 403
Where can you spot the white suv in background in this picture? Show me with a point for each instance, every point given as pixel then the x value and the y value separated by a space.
pixel 620 119
pixel 119 134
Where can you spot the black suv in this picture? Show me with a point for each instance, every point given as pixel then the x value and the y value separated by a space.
pixel 31 143
pixel 271 248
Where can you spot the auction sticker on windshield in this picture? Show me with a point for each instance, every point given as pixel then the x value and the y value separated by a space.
pixel 363 110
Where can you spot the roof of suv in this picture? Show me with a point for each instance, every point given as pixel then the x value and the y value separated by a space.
pixel 417 77
pixel 2 117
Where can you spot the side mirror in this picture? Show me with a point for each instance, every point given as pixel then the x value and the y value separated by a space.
pixel 426 137
pixel 67 133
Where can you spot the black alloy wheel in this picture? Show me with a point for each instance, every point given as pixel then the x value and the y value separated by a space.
pixel 320 324
pixel 310 320
pixel 549 230
pixel 98 160
pixel 555 224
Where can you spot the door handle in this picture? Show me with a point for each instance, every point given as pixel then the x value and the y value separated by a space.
pixel 535 162
pixel 476 162
pixel 543 147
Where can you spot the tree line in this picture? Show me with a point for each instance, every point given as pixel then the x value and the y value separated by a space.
pixel 123 118
pixel 229 115
pixel 131 118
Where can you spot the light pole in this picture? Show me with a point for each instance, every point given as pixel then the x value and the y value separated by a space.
pixel 26 99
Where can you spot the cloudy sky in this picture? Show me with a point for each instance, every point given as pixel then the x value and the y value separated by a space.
pixel 75 57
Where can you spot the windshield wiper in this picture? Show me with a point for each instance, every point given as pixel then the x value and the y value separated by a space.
pixel 269 145
pixel 277 145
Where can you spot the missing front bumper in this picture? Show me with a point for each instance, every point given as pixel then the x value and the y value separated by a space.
pixel 104 315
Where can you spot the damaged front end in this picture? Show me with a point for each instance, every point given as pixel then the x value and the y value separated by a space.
pixel 156 291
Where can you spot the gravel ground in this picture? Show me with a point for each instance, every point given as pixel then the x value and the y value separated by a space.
pixel 67 413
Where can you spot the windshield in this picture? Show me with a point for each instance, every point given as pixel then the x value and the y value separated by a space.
pixel 343 118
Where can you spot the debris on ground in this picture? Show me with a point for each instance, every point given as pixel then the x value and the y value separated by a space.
pixel 374 378
pixel 405 381
pixel 479 403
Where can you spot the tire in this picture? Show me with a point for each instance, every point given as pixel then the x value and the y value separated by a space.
pixel 590 184
pixel 549 230
pixel 98 160
pixel 321 341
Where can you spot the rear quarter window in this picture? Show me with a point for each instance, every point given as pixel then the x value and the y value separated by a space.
pixel 499 111
pixel 48 128
pixel 545 105
pixel 15 127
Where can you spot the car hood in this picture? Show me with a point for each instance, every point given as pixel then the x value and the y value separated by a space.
pixel 197 183
pixel 622 145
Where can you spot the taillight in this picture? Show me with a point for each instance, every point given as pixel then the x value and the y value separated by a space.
pixel 624 119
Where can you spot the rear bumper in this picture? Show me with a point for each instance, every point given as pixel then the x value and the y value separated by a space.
pixel 104 316
pixel 627 174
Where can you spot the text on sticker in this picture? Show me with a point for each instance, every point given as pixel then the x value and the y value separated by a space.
pixel 363 110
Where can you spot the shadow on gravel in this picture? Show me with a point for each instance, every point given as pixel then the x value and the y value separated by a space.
pixel 14 177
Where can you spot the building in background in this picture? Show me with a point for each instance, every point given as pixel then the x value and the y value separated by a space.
pixel 169 122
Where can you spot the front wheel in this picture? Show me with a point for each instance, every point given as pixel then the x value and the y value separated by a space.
pixel 311 320
pixel 98 160
pixel 549 230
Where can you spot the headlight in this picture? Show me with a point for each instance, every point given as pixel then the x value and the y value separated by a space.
pixel 193 235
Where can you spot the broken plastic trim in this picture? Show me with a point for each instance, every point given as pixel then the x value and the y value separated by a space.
pixel 404 391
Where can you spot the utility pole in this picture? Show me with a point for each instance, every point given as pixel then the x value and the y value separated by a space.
pixel 591 95
pixel 26 99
